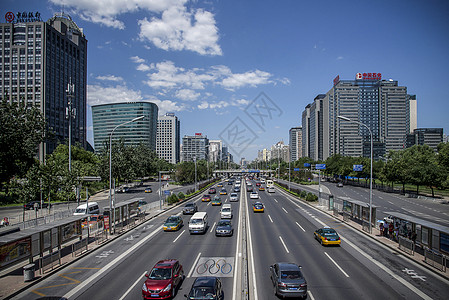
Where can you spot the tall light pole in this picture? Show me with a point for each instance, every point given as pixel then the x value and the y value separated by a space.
pixel 371 170
pixel 70 113
pixel 110 166
pixel 194 159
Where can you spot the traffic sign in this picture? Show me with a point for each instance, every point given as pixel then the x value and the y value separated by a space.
pixel 167 192
pixel 296 169
pixel 306 165
pixel 320 166
pixel 357 168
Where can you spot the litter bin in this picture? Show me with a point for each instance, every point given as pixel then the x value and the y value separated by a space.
pixel 28 272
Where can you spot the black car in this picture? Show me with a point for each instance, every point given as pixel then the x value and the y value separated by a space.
pixel 30 205
pixel 288 280
pixel 224 228
pixel 189 209
pixel 206 288
pixel 249 188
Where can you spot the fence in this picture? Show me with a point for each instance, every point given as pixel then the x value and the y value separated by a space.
pixel 48 262
pixel 59 215
pixel 406 245
pixel 435 259
pixel 79 247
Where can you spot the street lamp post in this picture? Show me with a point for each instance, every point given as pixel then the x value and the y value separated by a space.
pixel 371 169
pixel 70 113
pixel 110 167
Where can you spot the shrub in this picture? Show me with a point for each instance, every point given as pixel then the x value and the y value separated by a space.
pixel 181 196
pixel 311 197
pixel 172 199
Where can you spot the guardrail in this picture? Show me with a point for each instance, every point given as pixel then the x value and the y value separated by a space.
pixel 48 262
pixel 79 247
pixel 406 245
pixel 435 259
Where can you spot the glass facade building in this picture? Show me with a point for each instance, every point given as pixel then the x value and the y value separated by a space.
pixel 168 138
pixel 37 62
pixel 105 117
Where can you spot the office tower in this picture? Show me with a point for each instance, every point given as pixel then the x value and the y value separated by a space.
pixel 168 138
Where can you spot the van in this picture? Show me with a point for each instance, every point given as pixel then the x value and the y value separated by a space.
pixel 198 223
pixel 87 209
pixel 226 211
pixel 270 189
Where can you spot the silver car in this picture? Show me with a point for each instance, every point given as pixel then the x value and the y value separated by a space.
pixel 233 197
pixel 288 280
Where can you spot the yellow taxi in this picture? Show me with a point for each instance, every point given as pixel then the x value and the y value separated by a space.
pixel 261 188
pixel 220 184
pixel 327 236
pixel 205 198
pixel 223 192
pixel 258 207
pixel 216 201
pixel 173 223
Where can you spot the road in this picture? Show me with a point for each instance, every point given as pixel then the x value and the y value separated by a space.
pixel 360 268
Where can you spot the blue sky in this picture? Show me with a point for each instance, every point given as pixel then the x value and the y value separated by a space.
pixel 214 62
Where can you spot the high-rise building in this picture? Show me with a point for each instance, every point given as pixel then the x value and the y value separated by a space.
pixel 168 138
pixel 295 135
pixel 215 150
pixel 413 112
pixel 280 150
pixel 382 105
pixel 39 60
pixel 195 147
pixel 425 136
pixel 106 117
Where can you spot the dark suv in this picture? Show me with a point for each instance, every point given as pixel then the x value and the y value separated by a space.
pixel 189 208
pixel 206 288
pixel 288 280
pixel 163 280
pixel 30 205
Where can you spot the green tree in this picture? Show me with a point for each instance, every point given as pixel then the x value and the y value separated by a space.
pixel 22 130
pixel 443 161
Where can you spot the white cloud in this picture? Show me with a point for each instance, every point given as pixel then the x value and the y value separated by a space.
pixel 137 59
pixel 143 68
pixel 179 29
pixel 105 11
pixel 110 78
pixel 340 58
pixel 203 105
pixel 185 94
pixel 252 78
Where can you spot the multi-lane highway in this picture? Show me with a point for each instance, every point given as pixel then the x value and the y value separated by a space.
pixel 359 268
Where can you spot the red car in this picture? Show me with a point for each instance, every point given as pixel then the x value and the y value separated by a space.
pixel 164 280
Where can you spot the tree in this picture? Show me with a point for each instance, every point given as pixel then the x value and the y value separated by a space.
pixel 22 130
pixel 443 161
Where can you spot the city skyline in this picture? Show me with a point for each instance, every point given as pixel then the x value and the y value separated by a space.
pixel 208 62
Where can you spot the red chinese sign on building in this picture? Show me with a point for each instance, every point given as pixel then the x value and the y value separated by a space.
pixel 368 76
pixel 198 133
pixel 336 79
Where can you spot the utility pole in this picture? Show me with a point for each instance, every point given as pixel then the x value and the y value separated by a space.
pixel 70 113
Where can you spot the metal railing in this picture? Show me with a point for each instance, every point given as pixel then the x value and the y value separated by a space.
pixel 435 259
pixel 79 247
pixel 406 245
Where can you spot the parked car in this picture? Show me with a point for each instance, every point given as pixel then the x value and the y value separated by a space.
pixel 164 280
pixel 30 205
pixel 207 287
pixel 288 280
pixel 190 209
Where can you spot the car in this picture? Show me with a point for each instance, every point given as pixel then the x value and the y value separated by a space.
pixel 237 189
pixel 216 201
pixel 340 184
pixel 164 280
pixel 173 223
pixel 207 287
pixel 123 189
pixel 212 191
pixel 220 185
pixel 249 188
pixel 190 209
pixel 32 204
pixel 205 198
pixel 230 182
pixel 288 280
pixel 224 228
pixel 254 195
pixel 94 219
pixel 233 197
pixel 261 188
pixel 148 190
pixel 257 183
pixel 327 236
pixel 223 192
pixel 258 207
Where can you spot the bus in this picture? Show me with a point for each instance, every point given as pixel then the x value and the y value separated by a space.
pixel 269 183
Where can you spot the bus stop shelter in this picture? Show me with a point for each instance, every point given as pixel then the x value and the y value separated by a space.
pixel 359 211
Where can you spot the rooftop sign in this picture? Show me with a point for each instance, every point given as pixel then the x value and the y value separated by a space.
pixel 23 17
pixel 368 76
pixel 336 79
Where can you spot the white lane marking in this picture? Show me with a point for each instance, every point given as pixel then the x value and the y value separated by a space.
pixel 270 218
pixel 237 259
pixel 252 254
pixel 390 202
pixel 276 201
pixel 118 259
pixel 336 264
pixel 284 210
pixel 193 266
pixel 179 236
pixel 208 203
pixel 310 295
pixel 300 227
pixel 131 287
pixel 388 271
pixel 212 229
pixel 282 241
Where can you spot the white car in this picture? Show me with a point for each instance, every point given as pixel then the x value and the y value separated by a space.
pixel 254 195
pixel 233 197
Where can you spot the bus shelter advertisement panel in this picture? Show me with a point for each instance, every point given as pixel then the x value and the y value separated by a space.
pixel 15 251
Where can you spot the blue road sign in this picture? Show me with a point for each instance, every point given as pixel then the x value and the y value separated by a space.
pixel 306 165
pixel 320 166
pixel 357 168
pixel 296 169
pixel 167 192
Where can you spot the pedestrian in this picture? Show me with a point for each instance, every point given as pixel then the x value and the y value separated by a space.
pixel 390 230
pixel 414 237
pixel 381 228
